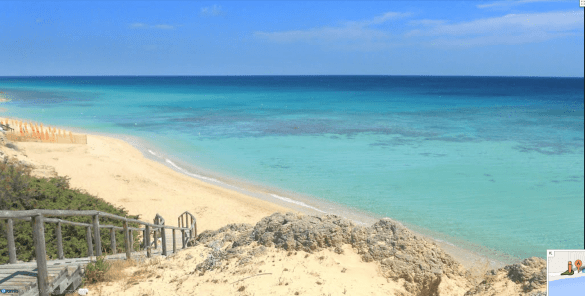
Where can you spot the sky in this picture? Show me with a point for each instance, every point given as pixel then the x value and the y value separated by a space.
pixel 479 38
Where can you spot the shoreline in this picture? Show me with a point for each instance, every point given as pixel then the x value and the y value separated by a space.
pixel 262 201
pixel 309 205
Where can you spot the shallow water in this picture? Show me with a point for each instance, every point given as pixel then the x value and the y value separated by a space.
pixel 491 163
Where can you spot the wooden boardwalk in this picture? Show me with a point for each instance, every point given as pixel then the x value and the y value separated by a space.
pixel 65 275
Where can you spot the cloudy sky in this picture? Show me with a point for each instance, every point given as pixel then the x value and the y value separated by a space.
pixel 482 38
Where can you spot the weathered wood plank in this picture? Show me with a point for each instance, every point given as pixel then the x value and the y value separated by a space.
pixel 50 269
pixel 30 213
pixel 89 243
pixel 10 238
pixel 174 242
pixel 113 241
pixel 59 241
pixel 163 235
pixel 29 279
pixel 31 274
pixel 127 243
pixel 58 275
pixel 96 235
pixel 147 241
pixel 41 255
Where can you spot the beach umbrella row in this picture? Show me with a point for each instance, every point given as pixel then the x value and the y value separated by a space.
pixel 30 130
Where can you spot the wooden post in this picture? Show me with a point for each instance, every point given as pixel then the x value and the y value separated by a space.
pixel 41 255
pixel 154 236
pixel 188 225
pixel 11 247
pixel 97 236
pixel 147 240
pixel 183 237
pixel 174 242
pixel 89 244
pixel 144 239
pixel 59 241
pixel 195 229
pixel 131 240
pixel 190 219
pixel 127 241
pixel 113 240
pixel 164 241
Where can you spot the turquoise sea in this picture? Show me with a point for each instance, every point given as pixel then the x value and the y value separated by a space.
pixel 493 164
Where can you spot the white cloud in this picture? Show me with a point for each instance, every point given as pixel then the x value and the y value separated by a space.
pixel 325 34
pixel 507 29
pixel 510 3
pixel 491 40
pixel 350 31
pixel 379 19
pixel 138 25
pixel 165 27
pixel 214 10
pixel 427 22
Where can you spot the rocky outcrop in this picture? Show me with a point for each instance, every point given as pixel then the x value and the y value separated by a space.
pixel 401 253
pixel 530 275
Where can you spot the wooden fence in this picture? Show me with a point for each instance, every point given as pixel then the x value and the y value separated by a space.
pixel 22 131
pixel 39 217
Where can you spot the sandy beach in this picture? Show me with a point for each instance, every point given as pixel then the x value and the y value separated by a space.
pixel 115 171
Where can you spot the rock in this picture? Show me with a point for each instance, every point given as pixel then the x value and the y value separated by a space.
pixel 531 273
pixel 401 254
pixel 306 233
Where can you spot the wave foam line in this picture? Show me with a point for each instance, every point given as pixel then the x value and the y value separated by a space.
pixel 440 240
pixel 297 202
pixel 190 174
pixel 214 180
pixel 152 152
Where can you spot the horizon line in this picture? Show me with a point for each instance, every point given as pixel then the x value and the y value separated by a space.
pixel 291 75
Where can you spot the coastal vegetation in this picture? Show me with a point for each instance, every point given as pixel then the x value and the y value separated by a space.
pixel 19 190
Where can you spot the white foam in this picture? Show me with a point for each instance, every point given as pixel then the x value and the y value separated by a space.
pixel 152 152
pixel 445 242
pixel 190 174
pixel 297 202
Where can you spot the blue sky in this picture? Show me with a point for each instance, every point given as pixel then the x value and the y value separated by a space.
pixel 483 38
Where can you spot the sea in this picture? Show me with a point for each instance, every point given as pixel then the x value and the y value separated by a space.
pixel 490 164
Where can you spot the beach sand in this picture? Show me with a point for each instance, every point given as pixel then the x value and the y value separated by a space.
pixel 115 171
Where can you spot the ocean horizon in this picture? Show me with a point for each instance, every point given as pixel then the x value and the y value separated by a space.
pixel 493 164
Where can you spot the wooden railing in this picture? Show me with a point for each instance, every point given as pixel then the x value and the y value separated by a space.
pixel 39 217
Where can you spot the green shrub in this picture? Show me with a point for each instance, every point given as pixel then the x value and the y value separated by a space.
pixel 96 271
pixel 21 191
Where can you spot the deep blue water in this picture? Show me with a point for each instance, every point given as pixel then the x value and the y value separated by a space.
pixel 491 163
